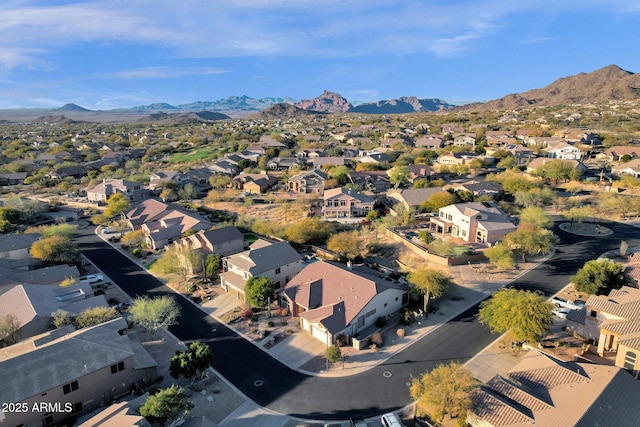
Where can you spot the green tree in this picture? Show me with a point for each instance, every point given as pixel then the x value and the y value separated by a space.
pixel 135 238
pixel 213 262
pixel 399 176
pixel 446 388
pixel 333 353
pixel 537 216
pixel 154 313
pixel 528 315
pixel 431 283
pixel 500 256
pixel 9 329
pixel 579 213
pixel 191 362
pixel 61 318
pixel 438 200
pixel 55 249
pixel 340 174
pixel 599 276
pixel 116 205
pixel 346 244
pixel 259 291
pixel 535 197
pixel 188 192
pixel 167 405
pixel 308 230
pixel 507 162
pixel 94 316
pixel 529 239
pixel 426 237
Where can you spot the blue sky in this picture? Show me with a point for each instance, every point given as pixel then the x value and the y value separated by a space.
pixel 104 54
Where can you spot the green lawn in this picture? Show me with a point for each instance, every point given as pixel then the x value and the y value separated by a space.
pixel 192 155
pixel 250 237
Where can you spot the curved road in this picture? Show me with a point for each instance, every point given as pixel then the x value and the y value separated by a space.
pixel 383 388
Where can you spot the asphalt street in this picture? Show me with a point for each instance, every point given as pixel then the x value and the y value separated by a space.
pixel 381 389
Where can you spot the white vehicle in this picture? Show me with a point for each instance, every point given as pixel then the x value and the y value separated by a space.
pixel 391 420
pixel 107 230
pixel 565 303
pixel 561 313
pixel 94 278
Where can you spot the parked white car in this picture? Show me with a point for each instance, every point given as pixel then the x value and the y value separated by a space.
pixel 94 278
pixel 561 313
pixel 565 303
pixel 107 230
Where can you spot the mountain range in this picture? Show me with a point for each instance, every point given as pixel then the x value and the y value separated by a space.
pixel 610 83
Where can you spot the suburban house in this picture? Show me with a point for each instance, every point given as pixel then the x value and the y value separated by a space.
pixel 432 142
pixel 121 414
pixel 544 141
pixel 33 304
pixel 253 183
pixel 346 203
pixel 224 167
pixel 134 191
pixel 475 222
pixel 457 158
pixel 376 158
pixel 51 275
pixel 613 322
pixel 283 163
pixel 79 370
pixel 632 270
pixel 276 261
pixel 161 178
pixel 463 139
pixel 631 167
pixel 332 299
pixel 223 241
pixel 14 250
pixel 374 181
pixel 617 152
pixel 326 162
pixel 564 151
pixel 420 171
pixel 308 182
pixel 411 198
pixel 164 223
pixel 12 178
pixel 542 390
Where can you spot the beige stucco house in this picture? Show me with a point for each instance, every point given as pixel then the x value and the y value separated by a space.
pixel 476 222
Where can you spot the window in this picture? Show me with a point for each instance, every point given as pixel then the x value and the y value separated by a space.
pixel 77 407
pixel 47 420
pixel 371 313
pixel 405 298
pixel 117 367
pixel 630 361
pixel 278 270
pixel 68 388
pixel 343 203
pixel 360 321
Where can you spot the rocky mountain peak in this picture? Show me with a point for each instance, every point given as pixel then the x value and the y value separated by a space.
pixel 328 102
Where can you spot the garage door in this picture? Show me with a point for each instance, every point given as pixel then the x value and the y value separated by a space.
pixel 319 334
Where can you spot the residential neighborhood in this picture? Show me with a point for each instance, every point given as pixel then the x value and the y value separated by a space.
pixel 322 242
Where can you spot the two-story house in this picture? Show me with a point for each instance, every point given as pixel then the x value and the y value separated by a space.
pixel 134 191
pixel 475 222
pixel 277 261
pixel 346 203
pixel 332 299
pixel 564 151
pixel 161 178
pixel 307 182
pixel 223 241
pixel 70 373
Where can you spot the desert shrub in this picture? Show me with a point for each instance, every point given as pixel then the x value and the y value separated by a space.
pixel 266 333
pixel 271 324
pixel 341 340
pixel 377 339
pixel 113 301
pixel 137 252
pixel 333 353
pixel 381 322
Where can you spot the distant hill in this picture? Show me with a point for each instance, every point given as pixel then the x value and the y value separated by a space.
pixel 283 110
pixel 328 102
pixel 183 117
pixel 610 83
pixel 72 108
pixel 56 119
pixel 405 104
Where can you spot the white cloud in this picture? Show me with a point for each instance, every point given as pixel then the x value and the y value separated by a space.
pixel 163 72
